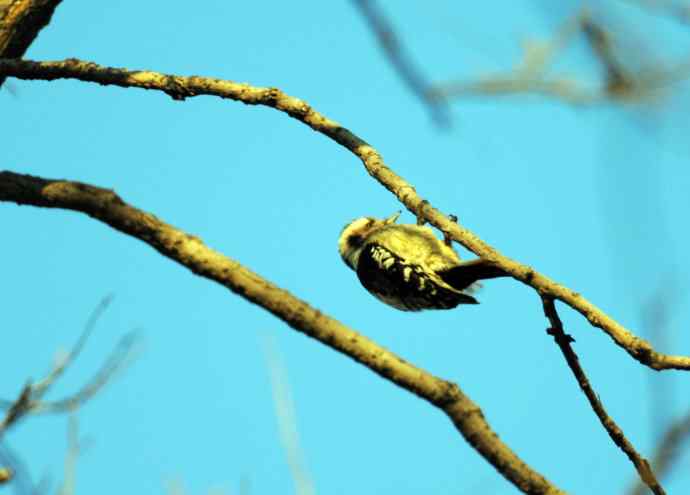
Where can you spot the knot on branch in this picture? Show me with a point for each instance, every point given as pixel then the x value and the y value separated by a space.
pixel 560 336
pixel 177 89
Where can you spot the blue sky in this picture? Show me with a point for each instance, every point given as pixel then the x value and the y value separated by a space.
pixel 594 197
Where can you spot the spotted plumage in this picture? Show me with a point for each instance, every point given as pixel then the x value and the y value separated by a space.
pixel 407 266
pixel 402 285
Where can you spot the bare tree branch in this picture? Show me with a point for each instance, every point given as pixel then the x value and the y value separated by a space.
pixel 619 84
pixel 25 189
pixel 191 252
pixel 563 341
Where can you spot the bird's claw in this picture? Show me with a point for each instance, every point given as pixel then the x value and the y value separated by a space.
pixel 420 212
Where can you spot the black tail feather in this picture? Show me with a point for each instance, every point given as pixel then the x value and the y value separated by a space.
pixel 469 272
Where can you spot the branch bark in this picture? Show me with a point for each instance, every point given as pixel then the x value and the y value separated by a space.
pixel 179 88
pixel 190 251
pixel 563 341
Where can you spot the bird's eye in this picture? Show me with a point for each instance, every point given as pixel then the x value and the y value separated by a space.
pixel 355 240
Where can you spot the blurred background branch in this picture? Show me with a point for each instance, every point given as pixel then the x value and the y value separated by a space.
pixel 31 401
pixel 618 83
pixel 401 61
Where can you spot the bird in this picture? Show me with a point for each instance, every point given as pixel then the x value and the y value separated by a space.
pixel 408 267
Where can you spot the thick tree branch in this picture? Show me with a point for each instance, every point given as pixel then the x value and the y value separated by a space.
pixel 180 87
pixel 191 252
pixel 563 341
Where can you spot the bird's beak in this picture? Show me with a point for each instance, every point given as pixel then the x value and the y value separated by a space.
pixel 391 219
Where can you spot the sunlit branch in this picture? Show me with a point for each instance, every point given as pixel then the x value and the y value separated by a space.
pixel 180 87
pixel 191 252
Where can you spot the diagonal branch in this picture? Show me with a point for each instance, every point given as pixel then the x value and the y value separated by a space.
pixel 180 87
pixel 190 251
pixel 563 341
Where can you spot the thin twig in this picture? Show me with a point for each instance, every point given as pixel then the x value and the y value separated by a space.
pixel 26 189
pixel 563 341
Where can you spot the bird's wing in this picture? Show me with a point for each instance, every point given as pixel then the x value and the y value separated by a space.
pixel 404 285
pixel 461 277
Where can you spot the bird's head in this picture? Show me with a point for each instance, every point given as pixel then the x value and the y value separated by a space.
pixel 355 234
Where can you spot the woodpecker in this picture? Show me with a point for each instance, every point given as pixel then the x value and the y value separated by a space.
pixel 406 266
